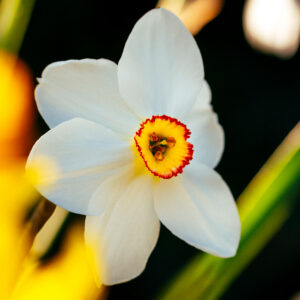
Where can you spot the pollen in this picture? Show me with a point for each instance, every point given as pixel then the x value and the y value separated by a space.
pixel 162 144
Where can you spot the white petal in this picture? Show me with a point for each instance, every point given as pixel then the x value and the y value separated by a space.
pixel 198 207
pixel 85 88
pixel 161 69
pixel 207 136
pixel 110 189
pixel 82 153
pixel 122 238
pixel 204 98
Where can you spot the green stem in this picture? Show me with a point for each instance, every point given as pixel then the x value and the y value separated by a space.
pixel 14 19
pixel 264 207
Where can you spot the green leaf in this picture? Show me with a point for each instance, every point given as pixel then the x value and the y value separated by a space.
pixel 14 19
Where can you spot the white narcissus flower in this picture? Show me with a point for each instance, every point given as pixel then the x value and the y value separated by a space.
pixel 135 144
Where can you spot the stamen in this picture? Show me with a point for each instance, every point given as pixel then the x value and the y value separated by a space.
pixel 154 137
pixel 171 142
pixel 159 156
pixel 159 145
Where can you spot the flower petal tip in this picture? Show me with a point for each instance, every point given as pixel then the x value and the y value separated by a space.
pixel 231 248
pixel 110 280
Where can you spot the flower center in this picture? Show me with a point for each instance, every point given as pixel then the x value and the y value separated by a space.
pixel 159 145
pixel 162 144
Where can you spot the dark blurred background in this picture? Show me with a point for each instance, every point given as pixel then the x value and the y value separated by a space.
pixel 255 95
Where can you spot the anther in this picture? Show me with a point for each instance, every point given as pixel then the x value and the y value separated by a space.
pixel 159 156
pixel 154 137
pixel 158 145
pixel 171 142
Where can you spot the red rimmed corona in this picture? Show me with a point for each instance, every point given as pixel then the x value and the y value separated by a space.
pixel 162 144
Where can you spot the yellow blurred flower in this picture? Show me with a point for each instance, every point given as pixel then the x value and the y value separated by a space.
pixel 16 198
pixel 60 278
pixel 16 106
pixel 66 277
